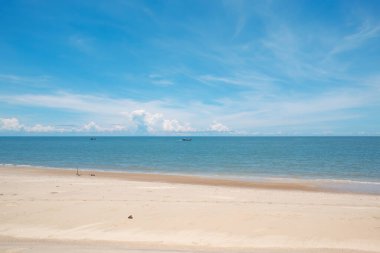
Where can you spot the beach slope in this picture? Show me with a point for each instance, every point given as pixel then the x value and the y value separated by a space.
pixel 44 210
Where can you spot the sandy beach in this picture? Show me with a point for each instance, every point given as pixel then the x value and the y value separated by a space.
pixel 45 210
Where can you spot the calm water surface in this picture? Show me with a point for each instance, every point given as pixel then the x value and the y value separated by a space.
pixel 349 158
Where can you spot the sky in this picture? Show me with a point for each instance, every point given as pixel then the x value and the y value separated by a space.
pixel 190 67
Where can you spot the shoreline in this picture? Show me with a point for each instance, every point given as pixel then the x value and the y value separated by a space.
pixel 275 183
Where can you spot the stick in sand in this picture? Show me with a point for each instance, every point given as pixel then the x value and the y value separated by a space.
pixel 78 172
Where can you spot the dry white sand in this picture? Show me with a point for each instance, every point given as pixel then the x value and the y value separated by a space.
pixel 57 211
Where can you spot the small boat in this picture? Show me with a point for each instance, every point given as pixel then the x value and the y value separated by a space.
pixel 186 139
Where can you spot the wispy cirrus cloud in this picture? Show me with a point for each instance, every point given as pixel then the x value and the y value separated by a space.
pixel 34 81
pixel 247 80
pixel 78 102
pixel 81 43
pixel 160 80
pixel 365 32
pixel 250 112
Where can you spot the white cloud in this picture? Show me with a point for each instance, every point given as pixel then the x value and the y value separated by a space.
pixel 141 122
pixel 38 128
pixel 13 124
pixel 94 127
pixel 176 126
pixel 91 126
pixel 146 122
pixel 218 127
pixel 10 124
pixel 118 128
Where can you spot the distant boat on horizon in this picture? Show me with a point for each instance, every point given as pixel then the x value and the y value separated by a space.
pixel 93 139
pixel 186 139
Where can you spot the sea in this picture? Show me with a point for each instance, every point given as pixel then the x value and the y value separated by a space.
pixel 350 161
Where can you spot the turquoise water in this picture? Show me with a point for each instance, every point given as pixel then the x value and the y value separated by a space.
pixel 348 158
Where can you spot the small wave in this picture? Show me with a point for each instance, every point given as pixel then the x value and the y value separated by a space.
pixel 346 181
pixel 21 165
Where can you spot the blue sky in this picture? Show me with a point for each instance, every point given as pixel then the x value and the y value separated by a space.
pixel 190 67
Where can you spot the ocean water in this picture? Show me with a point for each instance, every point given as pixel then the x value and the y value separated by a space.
pixel 334 158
